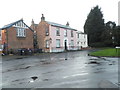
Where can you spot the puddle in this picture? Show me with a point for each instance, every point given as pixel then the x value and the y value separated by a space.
pixel 118 83
pixel 102 58
pixel 93 58
pixel 34 78
pixel 46 72
pixel 99 72
pixel 44 63
pixel 45 79
pixel 25 67
pixel 18 80
pixel 110 64
pixel 51 71
pixel 9 70
pixel 19 58
pixel 100 68
pixel 93 62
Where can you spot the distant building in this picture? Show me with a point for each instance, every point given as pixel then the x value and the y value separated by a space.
pixel 54 37
pixel 16 35
pixel 82 40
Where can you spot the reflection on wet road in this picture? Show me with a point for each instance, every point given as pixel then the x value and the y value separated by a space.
pixel 60 70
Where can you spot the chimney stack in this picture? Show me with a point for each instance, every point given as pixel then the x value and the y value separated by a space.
pixel 32 22
pixel 67 24
pixel 42 18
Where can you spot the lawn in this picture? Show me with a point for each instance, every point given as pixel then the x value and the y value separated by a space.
pixel 111 52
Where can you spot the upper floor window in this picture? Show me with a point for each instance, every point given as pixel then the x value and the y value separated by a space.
pixel 65 33
pixel 78 35
pixel 47 32
pixel 84 36
pixel 57 31
pixel 57 43
pixel 21 32
pixel 71 33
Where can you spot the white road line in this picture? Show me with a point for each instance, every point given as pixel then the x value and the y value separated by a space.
pixel 75 75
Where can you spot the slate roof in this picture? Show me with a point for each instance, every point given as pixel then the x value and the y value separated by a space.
pixel 80 32
pixel 60 25
pixel 11 24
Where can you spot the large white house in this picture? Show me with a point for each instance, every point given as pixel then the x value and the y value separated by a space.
pixel 82 40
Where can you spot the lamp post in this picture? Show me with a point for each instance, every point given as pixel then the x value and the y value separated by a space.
pixel 50 44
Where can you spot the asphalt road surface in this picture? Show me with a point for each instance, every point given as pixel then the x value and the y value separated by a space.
pixel 59 70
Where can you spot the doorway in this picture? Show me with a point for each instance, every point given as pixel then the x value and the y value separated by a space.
pixel 65 43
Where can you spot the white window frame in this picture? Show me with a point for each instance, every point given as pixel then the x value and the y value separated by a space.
pixel 57 31
pixel 72 35
pixel 46 32
pixel 21 32
pixel 57 43
pixel 47 44
pixel 72 43
pixel 65 33
pixel 78 35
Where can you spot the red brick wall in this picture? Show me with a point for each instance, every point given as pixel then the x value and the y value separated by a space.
pixel 15 42
pixel 41 35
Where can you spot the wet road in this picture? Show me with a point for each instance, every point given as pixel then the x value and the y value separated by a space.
pixel 60 70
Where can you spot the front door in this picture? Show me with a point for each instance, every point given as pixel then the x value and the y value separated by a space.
pixel 65 44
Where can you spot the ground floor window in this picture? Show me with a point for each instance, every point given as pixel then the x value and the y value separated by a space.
pixel 72 43
pixel 57 43
pixel 47 43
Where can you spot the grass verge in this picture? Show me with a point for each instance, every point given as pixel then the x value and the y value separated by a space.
pixel 111 52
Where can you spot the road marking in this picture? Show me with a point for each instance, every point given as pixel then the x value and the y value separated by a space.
pixel 75 75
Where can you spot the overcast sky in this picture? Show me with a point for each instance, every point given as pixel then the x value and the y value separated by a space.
pixel 58 11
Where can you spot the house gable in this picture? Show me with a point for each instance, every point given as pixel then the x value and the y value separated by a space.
pixel 18 23
pixel 17 35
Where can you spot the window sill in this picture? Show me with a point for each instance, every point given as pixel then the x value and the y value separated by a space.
pixel 21 36
pixel 58 47
pixel 47 35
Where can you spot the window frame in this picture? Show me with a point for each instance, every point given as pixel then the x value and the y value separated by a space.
pixel 57 44
pixel 57 31
pixel 47 44
pixel 46 32
pixel 20 32
pixel 72 43
pixel 72 33
pixel 65 32
pixel 78 35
